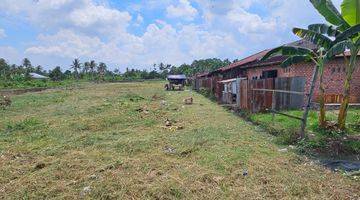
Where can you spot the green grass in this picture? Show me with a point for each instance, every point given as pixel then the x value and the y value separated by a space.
pixel 113 139
pixel 35 84
pixel 286 128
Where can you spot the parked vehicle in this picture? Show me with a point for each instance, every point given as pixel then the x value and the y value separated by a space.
pixel 175 81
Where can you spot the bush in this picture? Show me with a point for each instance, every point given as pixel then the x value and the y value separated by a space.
pixel 207 93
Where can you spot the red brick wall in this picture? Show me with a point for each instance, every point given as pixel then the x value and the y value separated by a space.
pixel 334 76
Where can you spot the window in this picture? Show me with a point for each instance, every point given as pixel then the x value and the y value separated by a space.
pixel 287 70
pixel 270 74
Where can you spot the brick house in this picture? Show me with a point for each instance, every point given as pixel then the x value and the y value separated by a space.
pixel 334 74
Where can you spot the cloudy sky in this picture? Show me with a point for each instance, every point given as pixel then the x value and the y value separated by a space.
pixel 138 33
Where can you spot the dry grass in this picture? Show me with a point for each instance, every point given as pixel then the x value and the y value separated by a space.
pixel 112 140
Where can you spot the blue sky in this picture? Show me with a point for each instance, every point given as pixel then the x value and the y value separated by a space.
pixel 139 33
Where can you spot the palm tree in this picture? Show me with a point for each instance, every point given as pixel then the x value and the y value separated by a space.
pixel 27 63
pixel 348 23
pixel 86 67
pixel 101 70
pixel 76 65
pixel 92 68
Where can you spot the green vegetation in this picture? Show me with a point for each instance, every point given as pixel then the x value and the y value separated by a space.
pixel 286 129
pixel 13 76
pixel 110 141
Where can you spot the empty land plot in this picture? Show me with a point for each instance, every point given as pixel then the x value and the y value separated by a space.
pixel 136 141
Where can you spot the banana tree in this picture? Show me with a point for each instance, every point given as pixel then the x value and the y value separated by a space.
pixel 297 55
pixel 346 21
pixel 348 40
pixel 350 10
pixel 316 34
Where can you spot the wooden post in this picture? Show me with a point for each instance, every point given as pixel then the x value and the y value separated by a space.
pixel 238 93
pixel 273 106
pixel 308 103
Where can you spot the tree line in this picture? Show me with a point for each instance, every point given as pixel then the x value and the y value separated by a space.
pixel 94 71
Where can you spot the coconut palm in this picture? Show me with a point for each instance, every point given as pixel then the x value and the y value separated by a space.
pixel 92 68
pixel 101 70
pixel 86 67
pixel 76 65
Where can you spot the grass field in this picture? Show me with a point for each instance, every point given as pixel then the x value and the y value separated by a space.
pixel 109 141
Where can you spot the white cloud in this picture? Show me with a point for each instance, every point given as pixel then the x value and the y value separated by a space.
pixel 161 42
pixel 182 10
pixel 80 15
pixel 2 33
pixel 9 53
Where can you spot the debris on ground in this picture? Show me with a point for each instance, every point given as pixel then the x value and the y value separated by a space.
pixel 186 152
pixel 292 147
pixel 163 103
pixel 169 150
pixel 93 177
pixel 85 191
pixel 5 101
pixel 283 150
pixel 156 97
pixel 188 101
pixel 143 110
pixel 245 172
pixel 39 166
pixel 168 123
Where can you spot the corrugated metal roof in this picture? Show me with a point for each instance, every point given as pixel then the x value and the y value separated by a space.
pixel 247 60
pixel 37 76
pixel 180 76
pixel 202 74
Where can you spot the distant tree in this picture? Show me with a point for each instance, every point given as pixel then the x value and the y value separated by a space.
pixel 67 74
pixel 39 69
pixel 26 63
pixel 102 70
pixel 86 67
pixel 4 69
pixel 117 71
pixel 76 65
pixel 92 68
pixel 56 74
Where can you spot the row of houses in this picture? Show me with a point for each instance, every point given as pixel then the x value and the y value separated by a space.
pixel 228 83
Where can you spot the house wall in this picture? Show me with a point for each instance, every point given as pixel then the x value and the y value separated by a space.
pixel 233 73
pixel 334 76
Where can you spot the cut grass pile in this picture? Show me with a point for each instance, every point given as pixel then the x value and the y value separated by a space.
pixel 110 141
pixel 286 128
